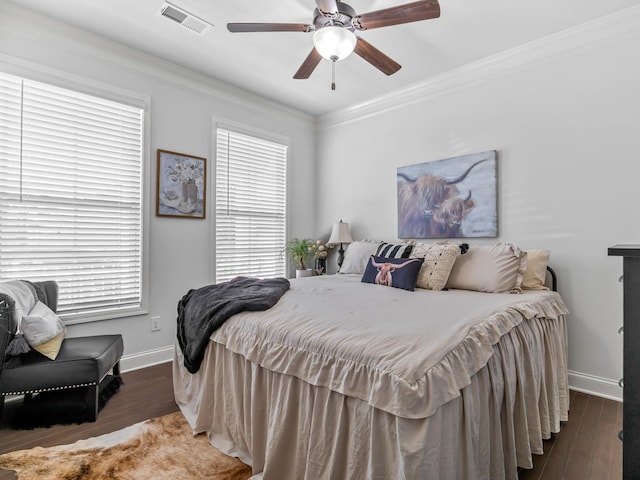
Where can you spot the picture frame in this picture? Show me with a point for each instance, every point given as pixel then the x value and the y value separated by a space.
pixel 451 198
pixel 181 187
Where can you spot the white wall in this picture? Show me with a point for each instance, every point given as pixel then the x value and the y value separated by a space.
pixel 183 105
pixel 563 116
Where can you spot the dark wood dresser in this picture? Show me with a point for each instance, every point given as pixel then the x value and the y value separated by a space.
pixel 631 359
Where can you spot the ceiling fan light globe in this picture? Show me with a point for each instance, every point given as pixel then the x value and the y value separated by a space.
pixel 334 42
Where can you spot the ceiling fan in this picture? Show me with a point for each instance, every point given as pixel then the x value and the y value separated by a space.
pixel 334 26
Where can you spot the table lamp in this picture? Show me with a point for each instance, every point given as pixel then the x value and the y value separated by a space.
pixel 340 235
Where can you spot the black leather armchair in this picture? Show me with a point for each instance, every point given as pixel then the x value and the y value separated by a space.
pixel 81 362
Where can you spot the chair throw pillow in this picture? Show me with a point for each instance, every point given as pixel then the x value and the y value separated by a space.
pixel 43 330
pixel 393 272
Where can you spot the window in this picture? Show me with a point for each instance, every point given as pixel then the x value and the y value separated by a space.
pixel 71 196
pixel 250 206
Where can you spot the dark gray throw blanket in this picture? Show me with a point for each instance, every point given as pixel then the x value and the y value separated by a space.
pixel 202 311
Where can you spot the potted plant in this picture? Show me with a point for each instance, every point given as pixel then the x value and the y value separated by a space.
pixel 299 250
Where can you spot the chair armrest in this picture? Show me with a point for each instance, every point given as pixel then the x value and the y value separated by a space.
pixel 47 292
pixel 7 327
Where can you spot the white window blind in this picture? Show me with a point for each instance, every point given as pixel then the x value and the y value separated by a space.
pixel 71 194
pixel 250 206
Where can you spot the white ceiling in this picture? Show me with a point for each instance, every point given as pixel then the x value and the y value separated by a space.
pixel 467 30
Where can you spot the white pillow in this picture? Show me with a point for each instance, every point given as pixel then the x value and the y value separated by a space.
pixel 494 269
pixel 43 330
pixel 535 275
pixel 357 255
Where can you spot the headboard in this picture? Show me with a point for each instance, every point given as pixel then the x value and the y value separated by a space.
pixel 552 279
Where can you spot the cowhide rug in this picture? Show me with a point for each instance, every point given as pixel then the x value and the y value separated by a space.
pixel 161 448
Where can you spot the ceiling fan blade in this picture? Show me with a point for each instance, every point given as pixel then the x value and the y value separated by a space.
pixel 269 27
pixel 329 8
pixel 308 66
pixel 376 58
pixel 411 12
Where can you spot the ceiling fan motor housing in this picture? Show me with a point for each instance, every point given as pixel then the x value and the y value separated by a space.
pixel 342 19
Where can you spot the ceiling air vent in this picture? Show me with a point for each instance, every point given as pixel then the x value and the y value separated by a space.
pixel 184 18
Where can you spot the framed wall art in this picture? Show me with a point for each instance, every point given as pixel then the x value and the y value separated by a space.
pixel 451 198
pixel 181 190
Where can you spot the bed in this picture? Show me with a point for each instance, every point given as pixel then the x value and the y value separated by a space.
pixel 343 379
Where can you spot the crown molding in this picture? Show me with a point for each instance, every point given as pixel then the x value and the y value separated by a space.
pixel 610 28
pixel 70 40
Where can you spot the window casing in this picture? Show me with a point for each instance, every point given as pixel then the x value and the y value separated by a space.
pixel 250 205
pixel 71 196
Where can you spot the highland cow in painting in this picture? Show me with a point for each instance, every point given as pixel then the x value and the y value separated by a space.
pixel 451 198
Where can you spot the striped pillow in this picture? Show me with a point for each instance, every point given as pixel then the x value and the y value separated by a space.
pixel 390 250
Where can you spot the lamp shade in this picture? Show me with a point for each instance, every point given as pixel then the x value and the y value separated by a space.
pixel 340 234
pixel 334 43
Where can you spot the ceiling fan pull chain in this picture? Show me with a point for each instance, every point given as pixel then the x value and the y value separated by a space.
pixel 334 59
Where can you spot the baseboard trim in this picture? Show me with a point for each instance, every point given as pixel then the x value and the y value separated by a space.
pixel 139 360
pixel 598 386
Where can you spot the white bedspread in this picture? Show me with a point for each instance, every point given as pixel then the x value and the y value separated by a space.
pixel 406 353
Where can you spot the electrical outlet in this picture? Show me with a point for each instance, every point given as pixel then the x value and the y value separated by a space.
pixel 155 324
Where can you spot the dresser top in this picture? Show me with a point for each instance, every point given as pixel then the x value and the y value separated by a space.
pixel 625 250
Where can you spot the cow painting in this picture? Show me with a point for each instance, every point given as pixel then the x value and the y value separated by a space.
pixel 449 198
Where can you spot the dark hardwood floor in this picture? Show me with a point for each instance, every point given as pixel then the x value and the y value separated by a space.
pixel 587 448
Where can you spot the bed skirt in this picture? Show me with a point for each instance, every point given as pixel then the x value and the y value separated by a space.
pixel 286 428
